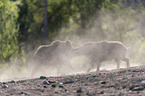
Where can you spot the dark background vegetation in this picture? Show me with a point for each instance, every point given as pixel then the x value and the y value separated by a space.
pixel 22 25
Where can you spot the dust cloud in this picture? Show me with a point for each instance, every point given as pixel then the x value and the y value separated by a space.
pixel 126 26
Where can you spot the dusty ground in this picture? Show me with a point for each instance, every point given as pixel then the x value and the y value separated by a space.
pixel 122 82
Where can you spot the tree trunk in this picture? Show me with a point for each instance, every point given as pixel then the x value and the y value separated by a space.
pixel 83 32
pixel 45 23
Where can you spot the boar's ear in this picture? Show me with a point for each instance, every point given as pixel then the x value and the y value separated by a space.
pixel 68 43
pixel 55 44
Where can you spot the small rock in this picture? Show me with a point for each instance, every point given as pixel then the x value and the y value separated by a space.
pixel 79 90
pixel 100 92
pixel 60 83
pixel 87 77
pixel 52 81
pixel 4 82
pixel 42 77
pixel 68 82
pixel 133 86
pixel 53 85
pixel 65 90
pixel 22 81
pixel 135 70
pixel 23 93
pixel 61 86
pixel 123 78
pixel 112 85
pixel 46 82
pixel 56 92
pixel 5 86
pixel 87 93
pixel 86 84
pixel 44 86
pixel 137 88
pixel 94 76
pixel 12 81
pixel 143 83
pixel 102 82
pixel 124 86
pixel 117 84
pixel 133 76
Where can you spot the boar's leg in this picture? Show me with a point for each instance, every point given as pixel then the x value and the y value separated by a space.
pixel 127 61
pixel 118 63
pixel 58 70
pixel 98 65
pixel 91 65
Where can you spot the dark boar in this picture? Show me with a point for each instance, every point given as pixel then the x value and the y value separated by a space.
pixel 101 51
pixel 55 54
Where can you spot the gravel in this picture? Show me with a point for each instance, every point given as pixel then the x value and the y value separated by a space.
pixel 122 82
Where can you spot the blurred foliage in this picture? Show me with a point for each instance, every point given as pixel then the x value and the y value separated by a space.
pixel 114 22
pixel 22 25
pixel 60 14
pixel 126 25
pixel 8 31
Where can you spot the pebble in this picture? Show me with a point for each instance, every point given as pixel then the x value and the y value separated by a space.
pixel 79 90
pixel 42 77
pixel 23 93
pixel 12 81
pixel 44 86
pixel 86 84
pixel 5 86
pixel 124 86
pixel 138 88
pixel 143 83
pixel 46 82
pixel 60 83
pixel 53 85
pixel 22 81
pixel 61 86
pixel 101 92
pixel 52 81
pixel 4 82
pixel 68 82
pixel 133 86
pixel 135 70
pixel 102 82
pixel 94 76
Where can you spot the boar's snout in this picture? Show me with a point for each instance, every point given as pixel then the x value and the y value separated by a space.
pixel 77 53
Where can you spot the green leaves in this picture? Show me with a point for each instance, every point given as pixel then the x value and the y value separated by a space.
pixel 8 30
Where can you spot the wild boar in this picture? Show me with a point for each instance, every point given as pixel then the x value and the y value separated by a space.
pixel 101 51
pixel 55 54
